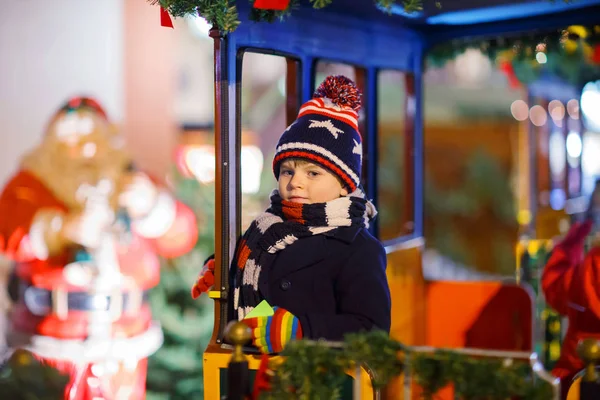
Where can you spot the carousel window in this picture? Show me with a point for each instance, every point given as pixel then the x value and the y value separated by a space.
pixel 394 174
pixel 263 120
pixel 325 68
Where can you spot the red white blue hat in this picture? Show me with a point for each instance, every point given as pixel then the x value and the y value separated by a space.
pixel 326 132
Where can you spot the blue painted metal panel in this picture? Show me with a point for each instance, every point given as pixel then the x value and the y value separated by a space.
pixel 373 143
pixel 321 34
pixel 308 74
pixel 419 145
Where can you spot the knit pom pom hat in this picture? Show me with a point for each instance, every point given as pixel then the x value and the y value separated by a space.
pixel 326 132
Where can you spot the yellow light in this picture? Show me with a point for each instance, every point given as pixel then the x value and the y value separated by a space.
pixel 524 217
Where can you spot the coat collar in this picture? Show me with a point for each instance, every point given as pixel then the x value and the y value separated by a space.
pixel 306 252
pixel 346 234
pixel 309 251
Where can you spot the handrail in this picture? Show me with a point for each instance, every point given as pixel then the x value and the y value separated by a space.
pixel 473 352
pixel 393 246
pixel 536 366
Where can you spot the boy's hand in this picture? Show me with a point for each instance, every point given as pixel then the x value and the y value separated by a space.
pixel 205 279
pixel 272 334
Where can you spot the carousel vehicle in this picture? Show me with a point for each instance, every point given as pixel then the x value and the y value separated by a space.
pixel 370 40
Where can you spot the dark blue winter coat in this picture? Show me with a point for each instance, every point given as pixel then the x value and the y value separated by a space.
pixel 335 283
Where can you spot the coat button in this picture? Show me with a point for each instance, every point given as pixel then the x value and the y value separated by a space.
pixel 285 284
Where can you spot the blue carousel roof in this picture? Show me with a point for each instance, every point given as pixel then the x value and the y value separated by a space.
pixel 464 12
pixel 461 18
pixel 468 12
pixel 443 20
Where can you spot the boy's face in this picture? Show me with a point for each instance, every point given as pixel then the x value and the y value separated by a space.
pixel 305 182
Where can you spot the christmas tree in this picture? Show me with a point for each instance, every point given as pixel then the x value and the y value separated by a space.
pixel 175 370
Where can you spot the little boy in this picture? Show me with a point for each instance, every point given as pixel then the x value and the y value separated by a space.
pixel 310 254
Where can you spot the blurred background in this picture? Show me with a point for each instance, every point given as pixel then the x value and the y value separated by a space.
pixel 156 85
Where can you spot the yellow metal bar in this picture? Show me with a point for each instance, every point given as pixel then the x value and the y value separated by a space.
pixel 214 362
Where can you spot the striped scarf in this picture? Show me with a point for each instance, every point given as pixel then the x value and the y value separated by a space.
pixel 281 225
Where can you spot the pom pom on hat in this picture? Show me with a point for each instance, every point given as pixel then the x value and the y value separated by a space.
pixel 341 91
pixel 326 132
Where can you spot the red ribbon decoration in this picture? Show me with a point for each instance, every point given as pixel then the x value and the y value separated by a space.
pixel 165 18
pixel 507 68
pixel 272 4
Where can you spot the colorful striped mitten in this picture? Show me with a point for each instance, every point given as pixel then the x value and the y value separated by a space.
pixel 272 334
pixel 205 279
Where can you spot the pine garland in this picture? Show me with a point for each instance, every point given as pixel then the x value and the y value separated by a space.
pixel 316 370
pixel 312 370
pixel 223 13
pixel 476 378
pixel 217 12
pixel 175 370
pixel 572 54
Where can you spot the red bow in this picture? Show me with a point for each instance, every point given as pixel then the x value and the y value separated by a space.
pixel 165 18
pixel 271 4
pixel 507 68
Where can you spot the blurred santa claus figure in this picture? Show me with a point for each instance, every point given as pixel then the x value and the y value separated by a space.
pixel 85 230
